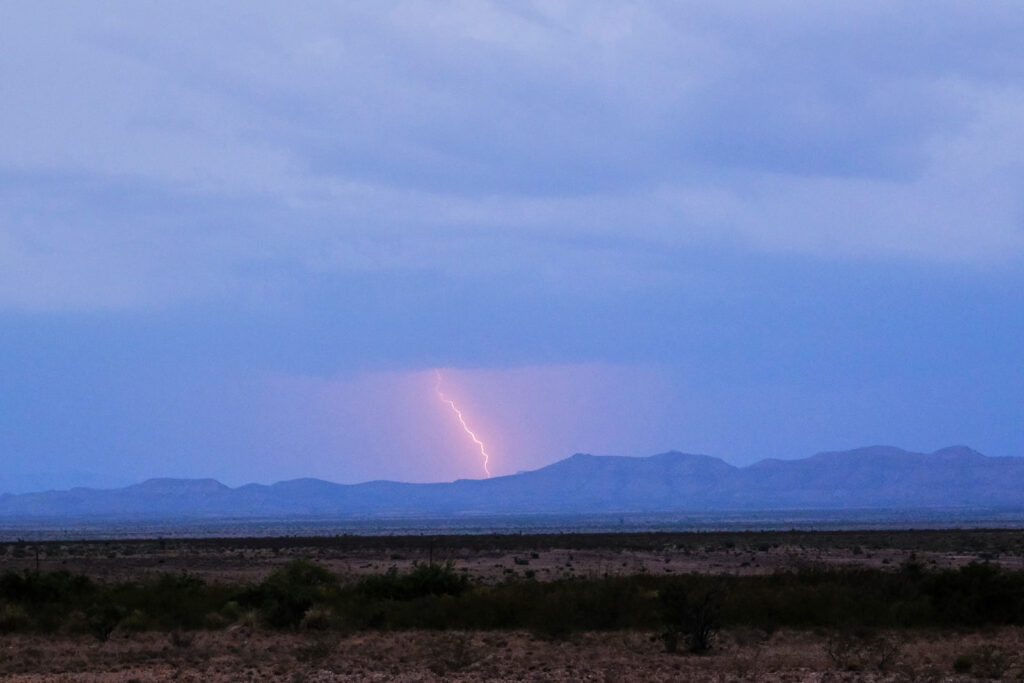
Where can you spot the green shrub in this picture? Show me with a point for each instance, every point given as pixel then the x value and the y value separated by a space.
pixel 556 617
pixel 102 619
pixel 692 613
pixel 75 622
pixel 286 595
pixel 135 622
pixel 171 601
pixel 214 621
pixel 423 580
pixel 231 611
pixel 14 618
pixel 689 608
pixel 977 594
pixel 38 589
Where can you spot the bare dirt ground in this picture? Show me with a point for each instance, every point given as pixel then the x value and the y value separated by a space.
pixel 246 655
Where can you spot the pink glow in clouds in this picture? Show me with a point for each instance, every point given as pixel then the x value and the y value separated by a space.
pixel 391 425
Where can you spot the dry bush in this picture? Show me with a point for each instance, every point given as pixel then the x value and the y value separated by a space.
pixel 987 661
pixel 317 618
pixel 249 619
pixel 135 622
pixel 214 621
pixel 14 618
pixel 317 650
pixel 102 619
pixel 451 653
pixel 181 639
pixel 750 646
pixel 75 622
pixel 863 650
pixel 693 615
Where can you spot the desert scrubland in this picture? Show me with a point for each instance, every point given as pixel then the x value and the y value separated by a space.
pixel 786 606
pixel 496 557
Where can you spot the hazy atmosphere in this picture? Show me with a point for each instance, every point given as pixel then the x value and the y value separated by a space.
pixel 255 242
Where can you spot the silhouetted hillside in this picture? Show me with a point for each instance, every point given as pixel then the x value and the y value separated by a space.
pixel 875 477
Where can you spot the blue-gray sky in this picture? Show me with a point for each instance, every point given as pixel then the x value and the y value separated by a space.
pixel 238 239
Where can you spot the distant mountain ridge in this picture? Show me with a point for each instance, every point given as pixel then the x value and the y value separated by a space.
pixel 873 477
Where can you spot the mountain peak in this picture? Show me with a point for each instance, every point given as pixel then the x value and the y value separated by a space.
pixel 863 453
pixel 679 455
pixel 162 485
pixel 958 451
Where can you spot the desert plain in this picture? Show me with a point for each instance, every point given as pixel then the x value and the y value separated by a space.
pixel 245 648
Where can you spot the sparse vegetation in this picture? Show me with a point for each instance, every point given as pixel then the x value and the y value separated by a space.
pixel 302 594
pixel 862 650
pixel 985 662
pixel 979 542
pixel 453 652
pixel 455 618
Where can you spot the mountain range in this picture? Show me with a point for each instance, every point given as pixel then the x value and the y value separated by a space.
pixel 874 477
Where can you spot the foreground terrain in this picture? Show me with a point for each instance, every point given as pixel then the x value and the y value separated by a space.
pixel 786 606
pixel 247 655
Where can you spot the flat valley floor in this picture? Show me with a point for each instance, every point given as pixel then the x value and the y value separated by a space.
pixel 543 557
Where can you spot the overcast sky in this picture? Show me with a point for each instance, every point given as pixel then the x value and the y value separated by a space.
pixel 238 239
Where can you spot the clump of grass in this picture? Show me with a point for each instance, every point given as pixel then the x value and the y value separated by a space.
pixel 985 662
pixel 181 639
pixel 863 649
pixel 453 653
pixel 102 619
pixel 13 618
pixel 318 618
pixel 316 651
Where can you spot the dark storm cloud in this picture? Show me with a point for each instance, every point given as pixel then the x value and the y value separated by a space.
pixel 806 219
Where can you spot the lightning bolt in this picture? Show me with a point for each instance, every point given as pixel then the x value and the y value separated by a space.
pixel 462 421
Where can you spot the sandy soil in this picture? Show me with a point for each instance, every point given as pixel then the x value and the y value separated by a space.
pixel 246 655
